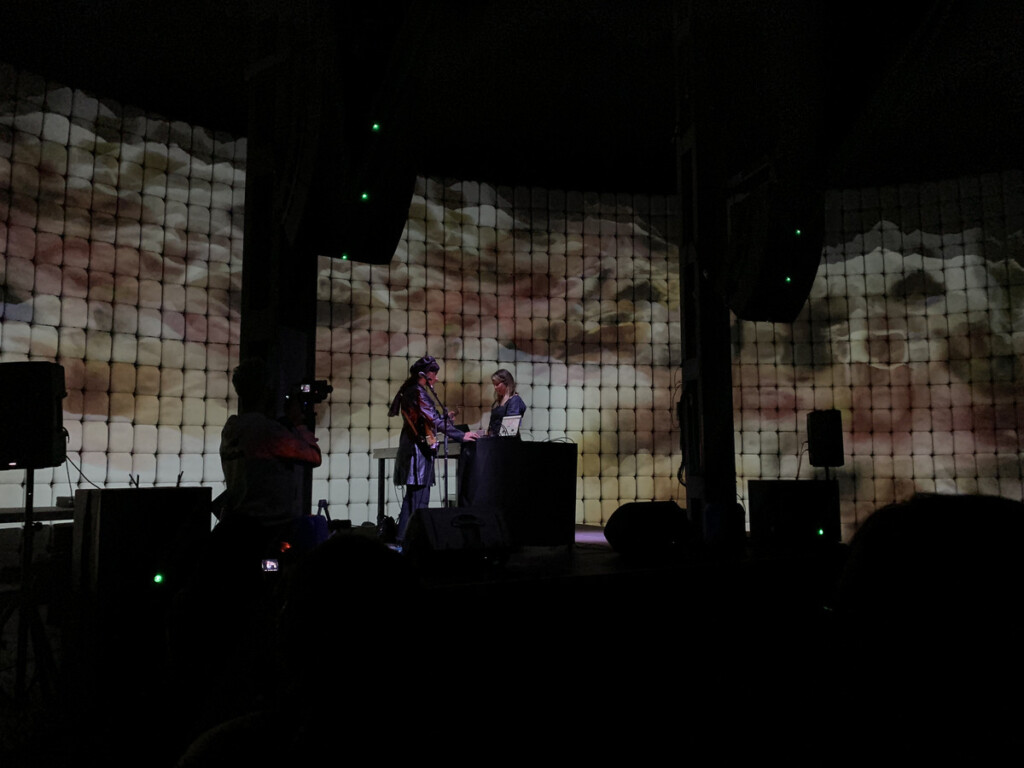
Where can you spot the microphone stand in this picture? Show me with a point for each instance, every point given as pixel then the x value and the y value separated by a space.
pixel 444 410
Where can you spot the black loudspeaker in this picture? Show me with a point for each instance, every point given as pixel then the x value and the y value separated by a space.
pixel 794 514
pixel 757 85
pixel 362 173
pixel 825 438
pixel 133 550
pixel 775 238
pixel 31 415
pixel 473 534
pixel 647 527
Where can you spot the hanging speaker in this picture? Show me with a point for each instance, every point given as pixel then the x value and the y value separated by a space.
pixel 757 85
pixel 365 158
pixel 825 438
pixel 774 241
pixel 31 415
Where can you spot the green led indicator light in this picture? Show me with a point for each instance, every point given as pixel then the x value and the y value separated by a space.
pixel 821 531
pixel 375 127
pixel 344 257
pixel 365 196
pixel 799 232
pixel 789 279
pixel 158 578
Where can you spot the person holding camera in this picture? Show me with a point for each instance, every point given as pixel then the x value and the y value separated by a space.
pixel 259 455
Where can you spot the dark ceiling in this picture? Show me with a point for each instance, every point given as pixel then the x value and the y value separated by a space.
pixel 579 93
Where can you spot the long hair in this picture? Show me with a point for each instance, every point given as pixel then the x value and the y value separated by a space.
pixel 506 378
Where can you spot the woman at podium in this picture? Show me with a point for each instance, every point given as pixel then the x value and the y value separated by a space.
pixel 506 404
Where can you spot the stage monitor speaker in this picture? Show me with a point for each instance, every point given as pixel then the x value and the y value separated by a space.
pixel 647 527
pixel 794 514
pixel 473 534
pixel 825 438
pixel 31 415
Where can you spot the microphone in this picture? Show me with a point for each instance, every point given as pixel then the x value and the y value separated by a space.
pixel 444 408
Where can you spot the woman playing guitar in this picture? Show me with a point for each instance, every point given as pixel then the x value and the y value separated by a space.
pixel 414 466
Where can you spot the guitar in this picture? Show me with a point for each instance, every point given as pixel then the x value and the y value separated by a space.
pixel 422 428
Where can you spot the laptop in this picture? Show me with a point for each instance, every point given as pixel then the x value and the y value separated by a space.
pixel 510 426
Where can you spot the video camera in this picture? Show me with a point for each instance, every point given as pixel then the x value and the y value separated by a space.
pixel 313 392
pixel 309 393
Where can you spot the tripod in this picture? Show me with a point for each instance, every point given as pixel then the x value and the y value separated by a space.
pixel 26 605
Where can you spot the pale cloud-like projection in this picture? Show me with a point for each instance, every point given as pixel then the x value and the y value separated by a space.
pixel 120 257
pixel 121 247
pixel 918 339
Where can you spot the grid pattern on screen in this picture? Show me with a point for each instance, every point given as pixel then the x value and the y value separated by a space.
pixel 120 259
pixel 120 248
pixel 576 294
pixel 914 330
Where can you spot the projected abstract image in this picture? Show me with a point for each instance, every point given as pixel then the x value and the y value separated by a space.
pixel 121 259
pixel 915 333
